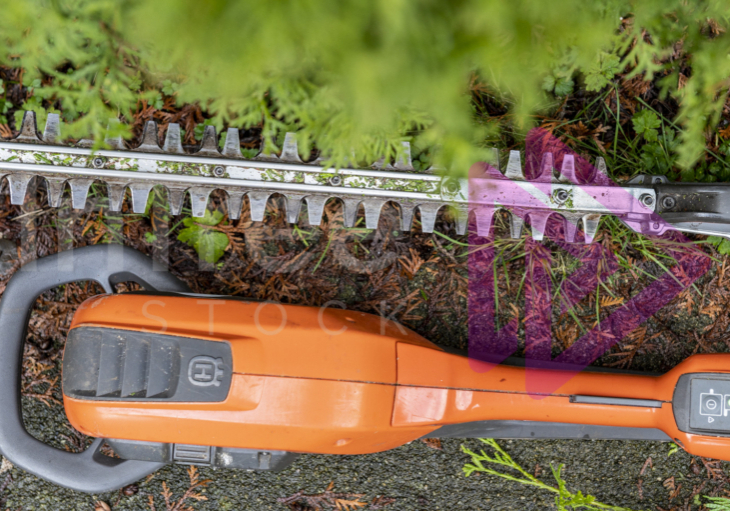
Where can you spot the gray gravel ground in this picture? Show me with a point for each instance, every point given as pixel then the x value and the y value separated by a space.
pixel 417 476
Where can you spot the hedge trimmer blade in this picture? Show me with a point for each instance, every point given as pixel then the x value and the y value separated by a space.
pixel 688 207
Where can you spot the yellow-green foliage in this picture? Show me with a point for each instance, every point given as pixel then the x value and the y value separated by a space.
pixel 361 74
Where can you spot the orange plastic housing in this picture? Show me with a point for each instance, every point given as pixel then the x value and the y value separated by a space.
pixel 326 380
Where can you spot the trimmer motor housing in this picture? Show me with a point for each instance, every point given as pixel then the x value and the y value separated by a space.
pixel 167 376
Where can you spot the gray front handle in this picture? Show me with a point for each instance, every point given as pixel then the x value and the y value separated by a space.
pixel 89 471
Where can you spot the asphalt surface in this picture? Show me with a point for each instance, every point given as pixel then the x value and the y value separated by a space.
pixel 417 476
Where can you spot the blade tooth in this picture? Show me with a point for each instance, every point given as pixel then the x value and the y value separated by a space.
pixel 350 207
pixel 315 208
pixel 235 203
pixel 115 191
pixel 28 129
pixel 515 225
pixel 175 198
pixel 293 207
pixel 462 219
pixel 372 212
pixel 257 202
pixel 199 200
pixel 406 216
pixel 232 145
pixel 495 156
pixel 18 184
pixel 54 189
pixel 429 212
pixel 571 222
pixel 404 162
pixel 52 132
pixel 514 167
pixel 567 170
pixel 79 192
pixel 381 165
pixel 290 151
pixel 209 144
pixel 600 173
pixel 140 194
pixel 85 142
pixel 115 142
pixel 538 223
pixel 546 169
pixel 173 141
pixel 484 216
pixel 590 226
pixel 150 142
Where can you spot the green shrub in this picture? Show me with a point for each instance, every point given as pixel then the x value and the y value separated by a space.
pixel 361 75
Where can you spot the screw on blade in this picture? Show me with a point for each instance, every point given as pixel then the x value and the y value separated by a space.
pixel 150 143
pixel 199 200
pixel 567 171
pixel 28 129
pixel 538 223
pixel 115 191
pixel 290 151
pixel 175 198
pixel 232 145
pixel 406 215
pixel 18 184
pixel 140 194
pixel 52 131
pixel 429 212
pixel 209 144
pixel 515 225
pixel 257 201
pixel 173 141
pixel 514 167
pixel 115 143
pixel 404 162
pixel 315 208
pixel 54 190
pixel 293 207
pixel 79 192
pixel 590 226
pixel 234 199
pixel 484 216
pixel 372 212
pixel 349 208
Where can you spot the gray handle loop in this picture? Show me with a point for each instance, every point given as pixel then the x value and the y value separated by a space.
pixel 89 471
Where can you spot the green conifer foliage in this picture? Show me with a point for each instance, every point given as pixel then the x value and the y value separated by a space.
pixel 362 76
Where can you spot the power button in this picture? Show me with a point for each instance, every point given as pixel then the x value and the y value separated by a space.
pixel 710 404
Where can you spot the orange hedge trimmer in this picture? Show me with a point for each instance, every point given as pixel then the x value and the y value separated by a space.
pixel 167 376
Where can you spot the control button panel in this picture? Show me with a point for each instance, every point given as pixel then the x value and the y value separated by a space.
pixel 710 404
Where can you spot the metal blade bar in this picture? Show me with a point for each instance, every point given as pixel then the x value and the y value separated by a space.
pixel 208 169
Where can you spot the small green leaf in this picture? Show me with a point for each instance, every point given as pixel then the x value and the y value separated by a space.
pixel 548 83
pixel 673 448
pixel 721 244
pixel 169 87
pixel 158 102
pixel 200 128
pixel 645 124
pixel 602 72
pixel 208 243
